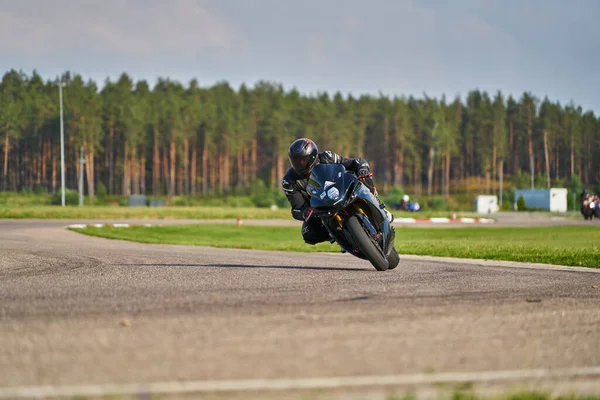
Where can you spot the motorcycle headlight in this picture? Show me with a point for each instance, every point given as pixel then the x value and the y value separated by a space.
pixel 592 204
pixel 333 193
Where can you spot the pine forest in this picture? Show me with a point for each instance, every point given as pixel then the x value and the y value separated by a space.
pixel 166 138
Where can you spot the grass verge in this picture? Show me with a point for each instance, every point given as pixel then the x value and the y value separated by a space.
pixel 170 212
pixel 140 213
pixel 561 245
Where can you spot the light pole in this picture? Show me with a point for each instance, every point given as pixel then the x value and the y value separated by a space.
pixel 62 145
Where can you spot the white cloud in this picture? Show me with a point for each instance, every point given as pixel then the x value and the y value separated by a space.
pixel 397 46
pixel 125 27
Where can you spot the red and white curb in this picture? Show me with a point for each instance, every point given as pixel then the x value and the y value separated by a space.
pixel 445 220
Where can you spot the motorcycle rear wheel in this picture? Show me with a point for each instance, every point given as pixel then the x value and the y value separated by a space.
pixel 365 244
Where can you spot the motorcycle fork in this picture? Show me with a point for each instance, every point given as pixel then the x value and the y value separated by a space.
pixel 339 219
pixel 358 209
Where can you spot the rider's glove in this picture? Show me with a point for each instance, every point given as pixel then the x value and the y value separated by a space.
pixel 363 171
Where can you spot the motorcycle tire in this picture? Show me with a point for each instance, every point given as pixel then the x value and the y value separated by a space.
pixel 393 259
pixel 365 244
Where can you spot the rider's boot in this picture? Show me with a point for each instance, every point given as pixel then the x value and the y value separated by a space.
pixel 369 183
pixel 332 240
pixel 388 214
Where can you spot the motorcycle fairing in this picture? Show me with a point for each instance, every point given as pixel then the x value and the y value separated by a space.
pixel 335 195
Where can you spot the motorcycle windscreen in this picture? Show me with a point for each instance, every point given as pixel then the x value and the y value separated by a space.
pixel 326 185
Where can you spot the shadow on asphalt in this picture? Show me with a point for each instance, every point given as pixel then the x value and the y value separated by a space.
pixel 246 266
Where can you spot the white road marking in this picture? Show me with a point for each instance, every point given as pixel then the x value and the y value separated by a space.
pixel 77 226
pixel 439 220
pixel 291 384
pixel 405 220
pixel 82 226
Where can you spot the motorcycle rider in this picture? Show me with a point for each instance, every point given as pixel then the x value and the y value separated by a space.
pixel 583 200
pixel 304 156
pixel 404 202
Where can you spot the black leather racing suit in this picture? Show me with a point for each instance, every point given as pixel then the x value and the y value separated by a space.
pixel 294 187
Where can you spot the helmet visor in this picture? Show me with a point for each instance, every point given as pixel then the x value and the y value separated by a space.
pixel 303 164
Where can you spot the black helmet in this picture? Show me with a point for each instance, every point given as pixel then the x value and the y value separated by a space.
pixel 303 155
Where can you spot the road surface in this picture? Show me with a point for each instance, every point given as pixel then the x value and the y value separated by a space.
pixel 77 310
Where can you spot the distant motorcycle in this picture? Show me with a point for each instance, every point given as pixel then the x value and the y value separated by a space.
pixel 413 206
pixel 406 205
pixel 590 207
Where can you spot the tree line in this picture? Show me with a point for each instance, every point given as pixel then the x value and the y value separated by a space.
pixel 176 139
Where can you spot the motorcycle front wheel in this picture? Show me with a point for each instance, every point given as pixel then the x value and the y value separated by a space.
pixel 365 244
pixel 393 259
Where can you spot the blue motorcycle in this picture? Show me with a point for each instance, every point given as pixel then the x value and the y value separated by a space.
pixel 352 215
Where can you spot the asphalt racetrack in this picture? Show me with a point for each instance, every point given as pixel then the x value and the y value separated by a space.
pixel 84 315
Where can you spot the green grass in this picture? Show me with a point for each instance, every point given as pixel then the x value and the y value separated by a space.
pixel 562 245
pixel 284 238
pixel 11 199
pixel 141 213
pixel 169 212
pixel 47 206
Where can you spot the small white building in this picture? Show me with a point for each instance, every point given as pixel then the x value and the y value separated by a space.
pixel 553 200
pixel 485 204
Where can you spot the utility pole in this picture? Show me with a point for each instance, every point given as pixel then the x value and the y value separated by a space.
pixel 81 162
pixel 62 145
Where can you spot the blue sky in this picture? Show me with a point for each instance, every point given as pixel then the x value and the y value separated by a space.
pixel 398 47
